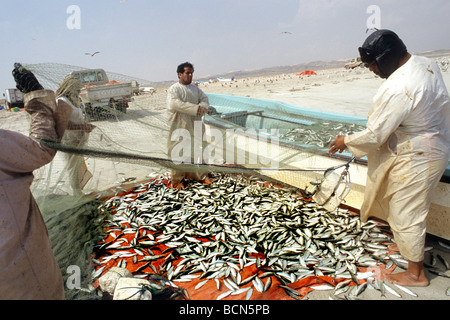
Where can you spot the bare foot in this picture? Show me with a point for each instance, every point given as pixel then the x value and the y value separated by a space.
pixel 414 276
pixel 407 279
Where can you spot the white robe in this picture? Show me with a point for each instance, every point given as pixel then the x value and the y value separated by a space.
pixel 407 142
pixel 183 103
pixel 76 165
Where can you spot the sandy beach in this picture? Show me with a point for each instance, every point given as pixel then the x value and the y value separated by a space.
pixel 335 90
pixel 332 90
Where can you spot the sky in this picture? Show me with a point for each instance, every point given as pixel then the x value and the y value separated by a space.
pixel 148 39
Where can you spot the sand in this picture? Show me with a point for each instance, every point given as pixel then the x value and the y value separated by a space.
pixel 335 90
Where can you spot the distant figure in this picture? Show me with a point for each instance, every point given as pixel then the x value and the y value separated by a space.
pixel 186 104
pixel 407 142
pixel 76 135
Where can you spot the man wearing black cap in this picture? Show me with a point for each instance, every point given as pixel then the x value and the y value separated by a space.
pixel 407 144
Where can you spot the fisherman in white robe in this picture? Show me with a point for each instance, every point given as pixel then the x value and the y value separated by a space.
pixel 407 143
pixel 28 268
pixel 186 104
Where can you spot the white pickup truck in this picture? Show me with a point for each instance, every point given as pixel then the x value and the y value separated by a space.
pixel 103 98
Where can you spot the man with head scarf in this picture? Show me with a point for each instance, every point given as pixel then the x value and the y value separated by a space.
pixel 407 143
pixel 76 135
pixel 28 268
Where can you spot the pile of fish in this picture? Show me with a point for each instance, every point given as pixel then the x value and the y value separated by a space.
pixel 214 231
pixel 321 134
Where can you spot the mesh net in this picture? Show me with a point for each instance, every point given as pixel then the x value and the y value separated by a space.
pixel 130 146
pixel 128 149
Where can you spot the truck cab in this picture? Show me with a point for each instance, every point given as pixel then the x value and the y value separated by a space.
pixel 91 77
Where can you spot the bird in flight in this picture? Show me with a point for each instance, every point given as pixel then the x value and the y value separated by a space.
pixel 286 32
pixel 92 54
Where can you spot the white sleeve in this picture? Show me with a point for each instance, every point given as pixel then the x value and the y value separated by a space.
pixel 384 120
pixel 204 101
pixel 176 104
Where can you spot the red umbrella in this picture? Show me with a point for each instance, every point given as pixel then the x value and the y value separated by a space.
pixel 307 73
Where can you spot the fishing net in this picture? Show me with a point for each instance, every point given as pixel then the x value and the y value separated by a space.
pixel 126 154
pixel 131 146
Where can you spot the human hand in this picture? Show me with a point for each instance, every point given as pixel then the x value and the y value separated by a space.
pixel 337 145
pixel 85 127
pixel 88 127
pixel 202 110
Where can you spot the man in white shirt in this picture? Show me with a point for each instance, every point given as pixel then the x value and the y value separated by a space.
pixel 407 143
pixel 186 104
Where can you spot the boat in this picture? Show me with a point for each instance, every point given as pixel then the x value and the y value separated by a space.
pixel 247 122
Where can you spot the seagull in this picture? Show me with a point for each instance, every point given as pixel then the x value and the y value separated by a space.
pixel 92 54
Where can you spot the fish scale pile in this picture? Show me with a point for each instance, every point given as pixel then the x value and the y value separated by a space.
pixel 215 231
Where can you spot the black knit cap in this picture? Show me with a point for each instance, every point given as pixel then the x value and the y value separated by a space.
pixel 385 48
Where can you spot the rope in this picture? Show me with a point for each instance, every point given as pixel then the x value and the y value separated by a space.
pixel 162 161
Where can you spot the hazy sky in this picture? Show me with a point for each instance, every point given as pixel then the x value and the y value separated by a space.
pixel 149 38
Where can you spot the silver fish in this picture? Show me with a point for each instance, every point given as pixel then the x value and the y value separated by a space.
pixel 391 290
pixel 224 295
pixel 215 231
pixel 404 289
